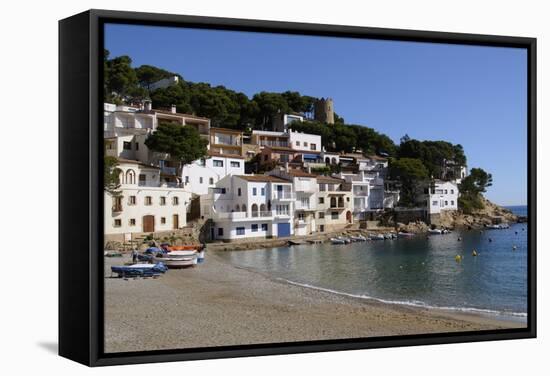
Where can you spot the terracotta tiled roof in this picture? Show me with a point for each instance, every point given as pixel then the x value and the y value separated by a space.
pixel 214 154
pixel 262 178
pixel 328 180
pixel 132 161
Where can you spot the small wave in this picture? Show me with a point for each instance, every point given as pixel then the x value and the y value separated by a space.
pixel 411 303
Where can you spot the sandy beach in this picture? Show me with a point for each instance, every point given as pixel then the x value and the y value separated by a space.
pixel 217 304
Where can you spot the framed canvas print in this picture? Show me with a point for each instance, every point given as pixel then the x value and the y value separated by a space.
pixel 239 187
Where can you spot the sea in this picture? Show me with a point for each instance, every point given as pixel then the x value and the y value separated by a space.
pixel 419 271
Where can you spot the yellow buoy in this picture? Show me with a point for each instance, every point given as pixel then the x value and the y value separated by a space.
pixel 474 253
pixel 458 258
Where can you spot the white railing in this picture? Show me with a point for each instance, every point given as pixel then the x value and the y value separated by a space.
pixel 283 195
pixel 262 214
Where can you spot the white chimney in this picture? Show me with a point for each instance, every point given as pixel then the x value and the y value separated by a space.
pixel 173 109
pixel 147 105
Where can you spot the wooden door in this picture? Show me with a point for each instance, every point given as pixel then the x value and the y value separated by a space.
pixel 176 221
pixel 148 223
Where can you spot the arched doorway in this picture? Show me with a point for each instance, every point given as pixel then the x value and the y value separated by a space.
pixel 348 216
pixel 148 223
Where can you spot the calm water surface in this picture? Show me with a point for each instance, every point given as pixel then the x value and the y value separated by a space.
pixel 419 271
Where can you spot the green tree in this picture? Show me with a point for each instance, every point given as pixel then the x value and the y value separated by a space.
pixel 148 74
pixel 122 78
pixel 411 174
pixel 183 143
pixel 111 173
pixel 472 188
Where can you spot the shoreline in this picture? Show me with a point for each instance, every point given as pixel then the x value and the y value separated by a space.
pixel 218 304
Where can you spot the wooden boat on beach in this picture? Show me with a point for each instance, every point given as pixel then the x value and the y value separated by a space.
pixel 178 259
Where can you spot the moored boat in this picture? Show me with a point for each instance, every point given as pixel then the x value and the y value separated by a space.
pixel 435 231
pixel 337 241
pixel 405 234
pixel 358 238
pixel 376 237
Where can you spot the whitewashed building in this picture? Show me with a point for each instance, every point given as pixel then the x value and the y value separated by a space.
pixel 440 196
pixel 146 203
pixel 305 189
pixel 203 174
pixel 250 206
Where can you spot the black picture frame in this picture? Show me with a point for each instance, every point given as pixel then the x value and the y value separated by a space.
pixel 81 201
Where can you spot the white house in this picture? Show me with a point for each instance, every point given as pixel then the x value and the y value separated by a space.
pixel 145 204
pixel 203 174
pixel 250 206
pixel 305 188
pixel 282 121
pixel 442 195
pixel 304 141
pixel 164 83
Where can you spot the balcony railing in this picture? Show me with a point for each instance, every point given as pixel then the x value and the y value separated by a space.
pixel 283 195
pixel 263 214
pixel 280 144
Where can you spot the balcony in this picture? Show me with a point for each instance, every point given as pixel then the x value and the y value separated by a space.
pixel 338 203
pixel 117 208
pixel 280 144
pixel 262 214
pixel 283 195
pixel 243 216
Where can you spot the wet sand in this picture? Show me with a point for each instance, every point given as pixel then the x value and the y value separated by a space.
pixel 217 304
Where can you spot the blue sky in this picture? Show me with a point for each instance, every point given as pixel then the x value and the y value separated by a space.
pixel 469 95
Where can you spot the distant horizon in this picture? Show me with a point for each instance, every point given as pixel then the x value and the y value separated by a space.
pixel 384 85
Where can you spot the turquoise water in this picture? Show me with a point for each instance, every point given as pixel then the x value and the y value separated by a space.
pixel 419 271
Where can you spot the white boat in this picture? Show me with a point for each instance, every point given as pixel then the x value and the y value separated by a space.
pixel 178 259
pixel 405 234
pixel 346 240
pixel 435 231
pixel 359 238
pixel 376 236
pixel 337 241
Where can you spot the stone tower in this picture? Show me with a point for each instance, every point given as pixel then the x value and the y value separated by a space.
pixel 324 110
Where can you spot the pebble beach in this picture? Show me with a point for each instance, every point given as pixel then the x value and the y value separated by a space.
pixel 218 304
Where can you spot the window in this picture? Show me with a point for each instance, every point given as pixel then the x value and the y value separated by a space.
pixel 321 228
pixel 264 226
pixel 452 192
pixel 254 228
pixel 175 200
pixel 200 180
pixel 142 178
pixel 263 191
pixel 452 203
pixel 312 146
pixel 297 143
pixel 305 144
pixel 240 230
pixel 321 215
pixel 446 203
pixel 118 223
pixel 254 191
pixel 446 191
pixel 202 162
pixel 301 217
pixel 223 191
pixel 236 164
pixel 211 181
pixel 334 215
pixel 148 200
pixel 126 145
pixel 163 200
pixel 131 200
pixel 220 231
pixel 132 221
pixel 218 163
pixel 347 199
pixel 434 203
pixel 162 220
pixel 321 200
pixel 137 146
pixel 187 180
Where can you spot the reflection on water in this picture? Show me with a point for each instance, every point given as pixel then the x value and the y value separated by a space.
pixel 421 270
